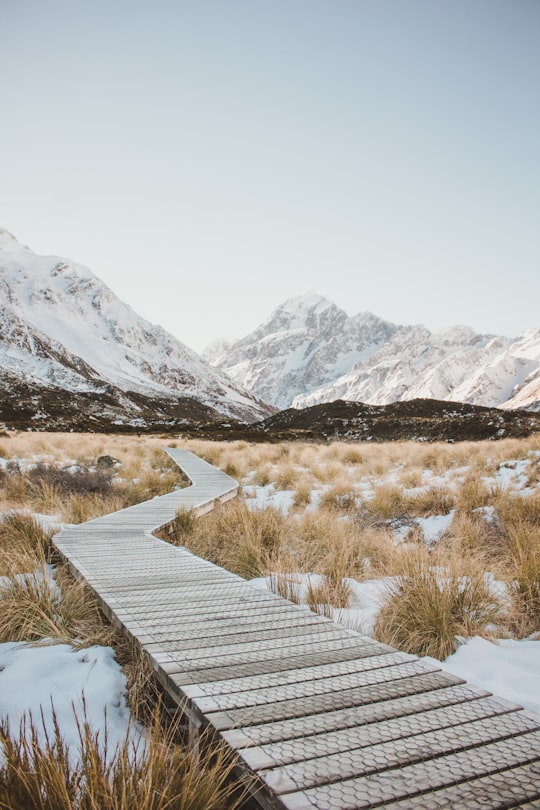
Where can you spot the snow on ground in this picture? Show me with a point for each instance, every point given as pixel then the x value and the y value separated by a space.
pixel 434 527
pixel 365 602
pixel 38 577
pixel 508 668
pixel 77 683
pixel 52 523
pixel 510 474
pixel 262 497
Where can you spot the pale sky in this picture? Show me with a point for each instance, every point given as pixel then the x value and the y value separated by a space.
pixel 210 158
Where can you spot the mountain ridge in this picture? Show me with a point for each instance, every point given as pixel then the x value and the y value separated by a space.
pixel 299 357
pixel 62 327
pixel 304 342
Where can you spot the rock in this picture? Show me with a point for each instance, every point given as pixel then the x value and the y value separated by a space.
pixel 108 463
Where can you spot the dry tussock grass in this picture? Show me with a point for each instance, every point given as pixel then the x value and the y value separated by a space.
pixel 283 582
pixel 302 495
pixel 473 494
pixel 346 537
pixel 430 607
pixel 472 536
pixel 434 500
pixel 388 501
pixel 234 537
pixel 24 544
pixel 48 483
pixel 38 772
pixel 327 594
pixel 33 608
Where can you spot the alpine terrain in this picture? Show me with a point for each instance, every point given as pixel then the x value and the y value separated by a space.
pixel 306 342
pixel 62 330
pixel 309 352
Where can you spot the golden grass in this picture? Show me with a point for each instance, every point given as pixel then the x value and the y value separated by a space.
pixel 236 538
pixel 429 608
pixel 38 772
pixel 431 501
pixel 33 608
pixel 144 472
pixel 284 583
pixel 473 494
pixel 524 553
pixel 302 495
pixel 328 593
pixel 339 498
pixel 347 535
pixel 24 544
pixel 388 501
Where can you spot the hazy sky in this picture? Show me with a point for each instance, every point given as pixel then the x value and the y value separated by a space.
pixel 210 158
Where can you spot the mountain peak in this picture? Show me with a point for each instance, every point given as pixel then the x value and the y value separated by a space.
pixel 308 300
pixel 9 242
pixel 62 326
pixel 306 342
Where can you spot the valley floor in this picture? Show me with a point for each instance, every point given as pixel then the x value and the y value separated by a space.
pixel 345 528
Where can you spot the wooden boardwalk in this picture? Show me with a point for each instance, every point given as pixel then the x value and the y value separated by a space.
pixel 324 717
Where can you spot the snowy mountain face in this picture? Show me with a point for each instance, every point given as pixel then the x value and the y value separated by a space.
pixel 306 343
pixel 60 326
pixel 309 352
pixel 456 365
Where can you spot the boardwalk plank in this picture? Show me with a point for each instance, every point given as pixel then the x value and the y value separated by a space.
pixel 424 777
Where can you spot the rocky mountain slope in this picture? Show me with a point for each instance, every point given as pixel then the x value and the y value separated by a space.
pixel 307 342
pixel 456 365
pixel 309 351
pixel 62 329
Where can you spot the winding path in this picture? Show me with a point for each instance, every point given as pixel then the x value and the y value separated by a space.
pixel 324 717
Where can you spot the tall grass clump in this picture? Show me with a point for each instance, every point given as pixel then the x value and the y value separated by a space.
pixel 33 608
pixel 339 498
pixel 302 495
pixel 388 501
pixel 39 771
pixel 24 544
pixel 431 501
pixel 238 538
pixel 524 583
pixel 182 526
pixel 429 608
pixel 283 582
pixel 474 535
pixel 150 484
pixel 326 594
pixel 473 494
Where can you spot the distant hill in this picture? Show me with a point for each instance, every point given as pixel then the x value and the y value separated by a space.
pixel 425 420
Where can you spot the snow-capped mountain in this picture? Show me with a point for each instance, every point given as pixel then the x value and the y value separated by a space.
pixel 62 327
pixel 309 351
pixel 305 343
pixel 455 365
